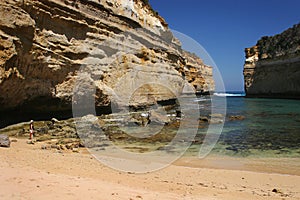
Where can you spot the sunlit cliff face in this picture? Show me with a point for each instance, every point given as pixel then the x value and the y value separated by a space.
pixel 45 45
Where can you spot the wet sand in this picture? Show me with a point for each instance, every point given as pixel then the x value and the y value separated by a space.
pixel 28 172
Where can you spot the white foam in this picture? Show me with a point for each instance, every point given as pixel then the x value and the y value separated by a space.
pixel 200 100
pixel 229 94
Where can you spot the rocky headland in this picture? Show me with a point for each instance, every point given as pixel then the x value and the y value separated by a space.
pixel 53 49
pixel 272 66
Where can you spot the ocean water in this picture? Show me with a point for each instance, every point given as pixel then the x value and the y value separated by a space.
pixel 267 128
pixel 261 128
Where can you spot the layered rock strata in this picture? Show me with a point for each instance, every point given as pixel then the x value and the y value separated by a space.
pixel 272 66
pixel 51 49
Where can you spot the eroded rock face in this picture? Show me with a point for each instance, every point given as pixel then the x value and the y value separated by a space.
pixel 51 49
pixel 272 66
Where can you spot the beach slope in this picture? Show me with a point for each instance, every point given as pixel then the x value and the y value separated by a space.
pixel 29 172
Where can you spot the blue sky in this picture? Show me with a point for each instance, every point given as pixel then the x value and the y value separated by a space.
pixel 226 28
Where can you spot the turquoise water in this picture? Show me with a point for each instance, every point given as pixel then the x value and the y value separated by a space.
pixel 261 128
pixel 271 127
pixel 265 128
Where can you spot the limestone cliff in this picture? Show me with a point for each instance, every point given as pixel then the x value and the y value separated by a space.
pixel 272 66
pixel 48 45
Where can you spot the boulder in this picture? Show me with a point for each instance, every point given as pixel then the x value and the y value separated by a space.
pixel 211 120
pixel 157 117
pixel 141 119
pixel 216 121
pixel 4 141
pixel 54 120
pixel 216 115
pixel 236 117
pixel 203 119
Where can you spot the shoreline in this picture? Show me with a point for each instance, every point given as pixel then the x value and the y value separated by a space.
pixel 30 172
pixel 268 165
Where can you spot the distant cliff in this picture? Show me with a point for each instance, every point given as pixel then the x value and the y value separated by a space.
pixel 272 66
pixel 45 43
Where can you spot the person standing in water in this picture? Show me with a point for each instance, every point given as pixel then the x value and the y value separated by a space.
pixel 31 130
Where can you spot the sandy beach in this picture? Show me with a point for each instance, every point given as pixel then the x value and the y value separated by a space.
pixel 149 86
pixel 29 172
